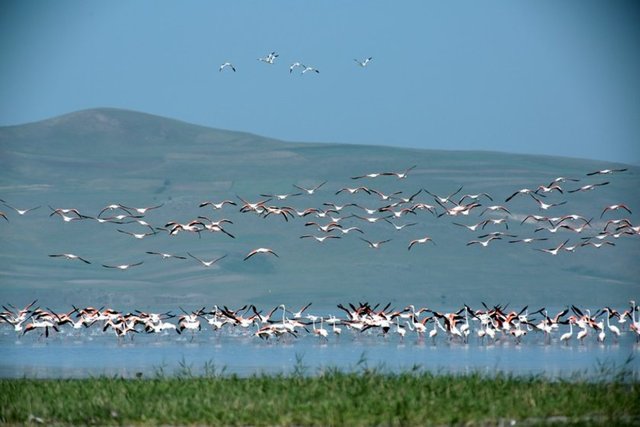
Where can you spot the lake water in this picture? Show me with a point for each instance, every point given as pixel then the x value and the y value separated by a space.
pixel 70 354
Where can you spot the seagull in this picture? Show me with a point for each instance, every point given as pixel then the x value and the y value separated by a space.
pixel 165 255
pixel 615 208
pixel 588 187
pixel 606 171
pixel 310 69
pixel 21 211
pixel 294 65
pixel 375 245
pixel 400 175
pixel 206 263
pixel 419 241
pixel 123 266
pixel 545 206
pixel 260 251
pixel 71 257
pixel 138 235
pixel 484 243
pixel 227 64
pixel 311 190
pixel 364 62
pixel 269 58
pixel 554 251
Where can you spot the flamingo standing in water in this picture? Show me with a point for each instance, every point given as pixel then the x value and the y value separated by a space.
pixel 321 332
pixel 567 335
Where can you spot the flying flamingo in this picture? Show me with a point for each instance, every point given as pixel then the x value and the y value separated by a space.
pixel 375 245
pixel 70 257
pixel 420 241
pixel 21 211
pixel 615 208
pixel 364 62
pixel 260 251
pixel 399 175
pixel 554 251
pixel 606 171
pixel 206 263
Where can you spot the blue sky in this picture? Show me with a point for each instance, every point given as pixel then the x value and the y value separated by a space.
pixel 542 77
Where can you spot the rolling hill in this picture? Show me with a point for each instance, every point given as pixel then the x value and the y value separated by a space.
pixel 93 158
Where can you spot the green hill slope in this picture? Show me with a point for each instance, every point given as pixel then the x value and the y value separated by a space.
pixel 94 158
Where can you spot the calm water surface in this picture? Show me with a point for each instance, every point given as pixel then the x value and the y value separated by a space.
pixel 93 353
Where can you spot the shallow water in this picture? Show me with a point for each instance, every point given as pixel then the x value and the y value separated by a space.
pixel 94 353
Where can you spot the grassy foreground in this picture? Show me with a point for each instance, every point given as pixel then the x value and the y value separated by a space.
pixel 334 398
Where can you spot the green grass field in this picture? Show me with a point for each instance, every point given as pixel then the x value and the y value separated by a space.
pixel 369 397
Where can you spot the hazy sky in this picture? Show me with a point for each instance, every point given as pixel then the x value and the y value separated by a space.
pixel 540 76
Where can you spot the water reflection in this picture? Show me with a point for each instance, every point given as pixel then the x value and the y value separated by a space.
pixel 69 355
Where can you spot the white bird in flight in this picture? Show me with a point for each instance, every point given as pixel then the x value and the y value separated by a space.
pixel 260 251
pixel 71 257
pixel 227 64
pixel 311 190
pixel 294 66
pixel 166 255
pixel 306 69
pixel 21 211
pixel 420 241
pixel 375 245
pixel 269 58
pixel 364 62
pixel 123 266
pixel 206 263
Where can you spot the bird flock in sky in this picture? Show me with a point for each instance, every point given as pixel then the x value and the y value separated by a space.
pixel 272 56
pixel 355 215
pixel 487 324
pixel 353 212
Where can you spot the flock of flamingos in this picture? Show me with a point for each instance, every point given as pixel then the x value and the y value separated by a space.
pixel 343 220
pixel 488 324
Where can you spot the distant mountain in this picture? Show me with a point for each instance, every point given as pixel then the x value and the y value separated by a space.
pixel 93 158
